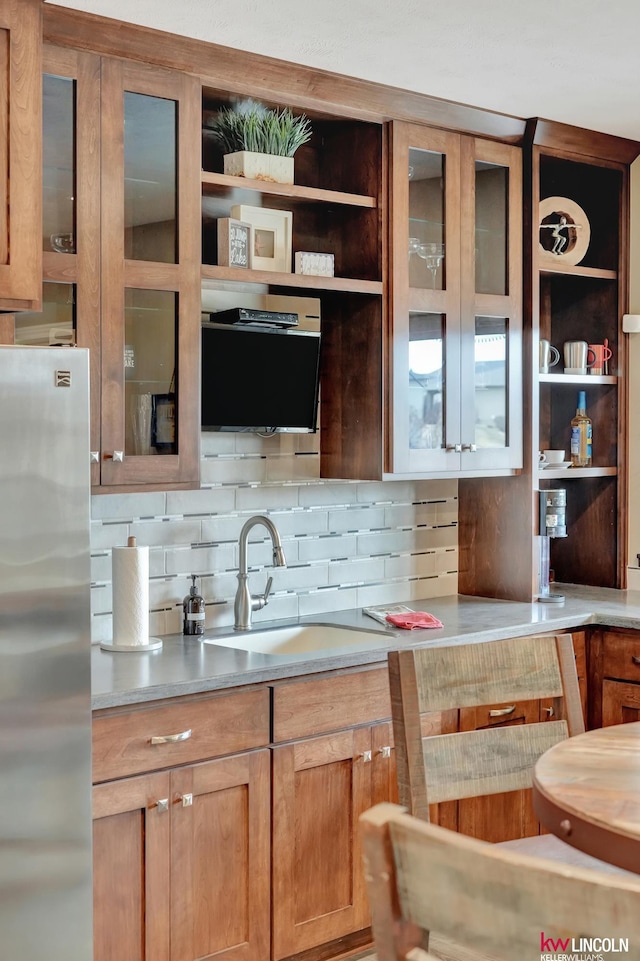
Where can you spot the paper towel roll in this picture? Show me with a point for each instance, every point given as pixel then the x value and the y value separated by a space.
pixel 130 584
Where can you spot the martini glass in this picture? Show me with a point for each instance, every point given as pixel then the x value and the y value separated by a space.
pixel 433 255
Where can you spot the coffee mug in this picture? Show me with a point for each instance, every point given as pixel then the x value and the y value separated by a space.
pixel 577 357
pixel 551 456
pixel 602 354
pixel 549 355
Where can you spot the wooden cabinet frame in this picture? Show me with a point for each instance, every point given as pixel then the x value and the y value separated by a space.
pixel 21 155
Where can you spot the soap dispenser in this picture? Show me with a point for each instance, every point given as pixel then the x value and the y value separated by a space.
pixel 193 608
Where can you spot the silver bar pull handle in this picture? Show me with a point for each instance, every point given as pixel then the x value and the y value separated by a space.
pixel 170 738
pixel 502 711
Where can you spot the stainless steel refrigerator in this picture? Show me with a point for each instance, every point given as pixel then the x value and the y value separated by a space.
pixel 45 706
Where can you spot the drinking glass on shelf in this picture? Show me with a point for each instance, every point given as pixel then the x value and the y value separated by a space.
pixel 433 255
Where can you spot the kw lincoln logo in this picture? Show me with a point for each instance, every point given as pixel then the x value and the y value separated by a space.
pixel 580 949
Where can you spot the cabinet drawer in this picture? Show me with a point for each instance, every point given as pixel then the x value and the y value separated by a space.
pixel 319 705
pixel 622 656
pixel 218 725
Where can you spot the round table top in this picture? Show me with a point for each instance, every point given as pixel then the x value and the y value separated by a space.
pixel 586 789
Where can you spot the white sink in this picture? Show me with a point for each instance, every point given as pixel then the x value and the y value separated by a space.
pixel 302 639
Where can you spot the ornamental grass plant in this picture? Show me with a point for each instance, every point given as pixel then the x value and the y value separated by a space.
pixel 252 126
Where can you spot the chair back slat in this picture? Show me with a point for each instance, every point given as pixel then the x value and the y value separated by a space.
pixel 433 680
pixel 486 762
pixel 469 675
pixel 425 878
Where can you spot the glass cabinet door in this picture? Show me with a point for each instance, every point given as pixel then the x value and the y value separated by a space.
pixel 425 263
pixel 150 275
pixel 71 217
pixel 456 304
pixel 491 293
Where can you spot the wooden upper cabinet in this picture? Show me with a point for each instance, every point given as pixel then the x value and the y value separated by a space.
pixel 456 303
pixel 20 154
pixel 150 275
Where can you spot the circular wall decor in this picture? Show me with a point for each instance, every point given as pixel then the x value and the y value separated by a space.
pixel 564 231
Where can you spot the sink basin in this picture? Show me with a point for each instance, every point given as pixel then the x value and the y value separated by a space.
pixel 302 639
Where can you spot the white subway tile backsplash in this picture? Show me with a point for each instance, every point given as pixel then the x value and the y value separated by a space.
pixel 356 519
pixel 165 532
pixel 210 500
pixel 127 506
pixel 356 571
pixel 240 470
pixel 269 497
pixel 199 560
pixel 328 548
pixel 410 565
pixel 347 544
pixel 322 602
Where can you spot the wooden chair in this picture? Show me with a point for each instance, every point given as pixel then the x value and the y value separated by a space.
pixel 500 903
pixel 495 759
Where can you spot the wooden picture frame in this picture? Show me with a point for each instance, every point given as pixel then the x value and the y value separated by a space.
pixel 235 243
pixel 272 231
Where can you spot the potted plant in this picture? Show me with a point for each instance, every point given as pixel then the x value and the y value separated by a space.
pixel 259 142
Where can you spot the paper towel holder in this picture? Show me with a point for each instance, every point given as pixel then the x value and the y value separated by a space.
pixel 153 643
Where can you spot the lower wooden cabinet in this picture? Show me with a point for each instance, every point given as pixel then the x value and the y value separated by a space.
pixel 255 855
pixel 181 863
pixel 616 670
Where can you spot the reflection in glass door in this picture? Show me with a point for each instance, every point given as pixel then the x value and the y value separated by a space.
pixel 150 356
pixel 52 326
pixel 426 241
pixel 491 400
pixel 426 381
pixel 150 178
pixel 58 164
pixel 491 228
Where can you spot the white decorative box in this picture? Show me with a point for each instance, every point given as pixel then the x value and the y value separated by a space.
pixel 314 265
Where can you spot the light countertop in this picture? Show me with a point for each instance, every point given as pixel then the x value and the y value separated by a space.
pixel 189 666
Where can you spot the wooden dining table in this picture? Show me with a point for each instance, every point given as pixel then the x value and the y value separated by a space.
pixel 586 790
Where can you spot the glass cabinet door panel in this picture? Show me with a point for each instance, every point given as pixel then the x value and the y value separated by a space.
pixel 426 240
pixel 150 356
pixel 150 172
pixel 491 224
pixel 59 164
pixel 55 324
pixel 490 382
pixel 426 381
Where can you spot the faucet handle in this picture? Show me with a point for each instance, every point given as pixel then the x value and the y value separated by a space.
pixel 267 589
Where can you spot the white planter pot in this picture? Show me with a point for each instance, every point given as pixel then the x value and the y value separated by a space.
pixel 259 166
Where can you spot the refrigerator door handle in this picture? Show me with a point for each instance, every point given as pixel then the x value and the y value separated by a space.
pixel 170 738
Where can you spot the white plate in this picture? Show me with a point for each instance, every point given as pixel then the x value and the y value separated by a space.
pixel 561 466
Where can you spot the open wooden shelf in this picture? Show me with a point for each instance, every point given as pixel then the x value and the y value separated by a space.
pixel 573 472
pixel 224 183
pixel 572 379
pixel 273 279
pixel 578 271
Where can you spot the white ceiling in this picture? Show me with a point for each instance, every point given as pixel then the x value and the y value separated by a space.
pixel 574 61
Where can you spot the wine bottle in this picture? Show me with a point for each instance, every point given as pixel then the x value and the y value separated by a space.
pixel 581 434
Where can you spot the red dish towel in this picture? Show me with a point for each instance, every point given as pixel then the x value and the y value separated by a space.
pixel 414 620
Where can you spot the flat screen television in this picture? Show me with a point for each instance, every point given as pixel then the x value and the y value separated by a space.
pixel 257 378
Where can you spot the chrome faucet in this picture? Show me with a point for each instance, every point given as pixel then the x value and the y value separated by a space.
pixel 245 602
